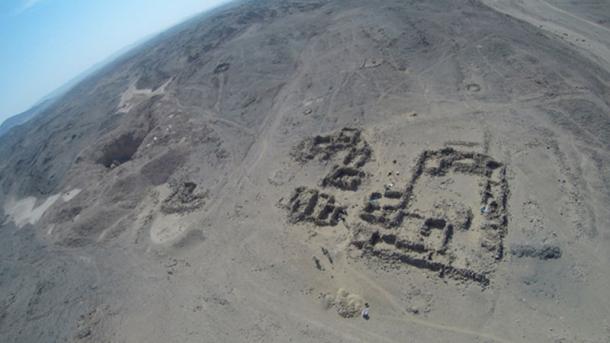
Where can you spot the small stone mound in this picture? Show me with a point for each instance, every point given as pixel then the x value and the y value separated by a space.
pixel 183 199
pixel 310 205
pixel 348 305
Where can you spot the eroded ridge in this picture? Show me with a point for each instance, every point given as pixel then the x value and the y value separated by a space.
pixel 450 217
pixel 347 147
pixel 310 205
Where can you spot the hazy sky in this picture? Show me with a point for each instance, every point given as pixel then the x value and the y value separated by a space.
pixel 45 43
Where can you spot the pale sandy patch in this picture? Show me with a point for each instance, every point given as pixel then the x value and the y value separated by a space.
pixel 67 196
pixel 133 96
pixel 166 229
pixel 25 211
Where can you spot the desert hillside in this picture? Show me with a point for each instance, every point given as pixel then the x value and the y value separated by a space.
pixel 266 170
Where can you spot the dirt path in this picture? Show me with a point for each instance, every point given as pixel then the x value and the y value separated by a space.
pixel 405 317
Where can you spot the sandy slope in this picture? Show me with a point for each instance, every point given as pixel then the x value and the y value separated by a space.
pixel 179 166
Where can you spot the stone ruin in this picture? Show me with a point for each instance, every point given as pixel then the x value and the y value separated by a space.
pixel 347 146
pixel 449 217
pixel 310 205
pixel 443 235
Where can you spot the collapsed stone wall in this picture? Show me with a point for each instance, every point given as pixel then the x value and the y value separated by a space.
pixel 391 220
pixel 348 146
pixel 310 205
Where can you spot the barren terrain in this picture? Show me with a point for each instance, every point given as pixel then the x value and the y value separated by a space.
pixel 262 171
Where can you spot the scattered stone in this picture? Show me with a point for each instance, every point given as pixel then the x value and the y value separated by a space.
pixel 473 87
pixel 327 254
pixel 317 263
pixel 544 252
pixel 83 333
